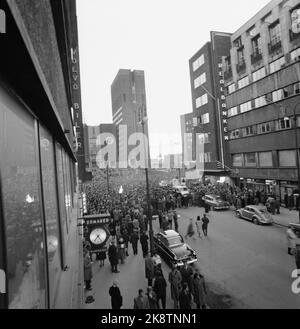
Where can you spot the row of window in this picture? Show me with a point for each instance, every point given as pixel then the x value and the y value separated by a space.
pixel 284 159
pixel 203 119
pixel 275 96
pixel 198 62
pixel 262 128
pixel 200 80
pixel 205 157
pixel 202 100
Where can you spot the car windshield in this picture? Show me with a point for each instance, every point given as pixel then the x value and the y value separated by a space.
pixel 176 240
pixel 262 210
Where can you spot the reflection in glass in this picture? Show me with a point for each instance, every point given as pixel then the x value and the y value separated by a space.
pixel 21 203
pixel 51 210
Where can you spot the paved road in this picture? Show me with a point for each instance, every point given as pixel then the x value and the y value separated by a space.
pixel 249 262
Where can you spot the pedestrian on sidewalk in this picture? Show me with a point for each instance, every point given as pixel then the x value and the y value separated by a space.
pixel 141 302
pixel 198 226
pixel 113 257
pixel 116 297
pixel 199 290
pixel 152 298
pixel 205 222
pixel 101 256
pixel 121 249
pixel 185 298
pixel 149 269
pixel 144 243
pixel 157 262
pixel 170 219
pixel 175 285
pixel 134 242
pixel 175 217
pixel 88 273
pixel 190 230
pixel 277 205
pixel 160 288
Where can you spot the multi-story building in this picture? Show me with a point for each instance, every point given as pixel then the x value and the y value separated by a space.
pixel 262 76
pixel 207 85
pixel 129 105
pixel 39 104
pixel 187 135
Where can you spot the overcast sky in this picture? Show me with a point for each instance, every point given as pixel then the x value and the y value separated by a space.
pixel 157 36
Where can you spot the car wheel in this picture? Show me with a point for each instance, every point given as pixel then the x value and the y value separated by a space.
pixel 255 221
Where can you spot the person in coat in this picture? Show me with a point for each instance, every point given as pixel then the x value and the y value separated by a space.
pixel 291 239
pixel 101 256
pixel 141 302
pixel 205 222
pixel 185 298
pixel 149 269
pixel 175 279
pixel 88 274
pixel 160 288
pixel 144 243
pixel 113 257
pixel 134 241
pixel 199 290
pixel 116 297
pixel 152 298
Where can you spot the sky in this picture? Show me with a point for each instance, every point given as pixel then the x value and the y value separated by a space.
pixel 157 36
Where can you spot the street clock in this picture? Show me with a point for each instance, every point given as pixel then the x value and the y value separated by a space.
pixel 98 236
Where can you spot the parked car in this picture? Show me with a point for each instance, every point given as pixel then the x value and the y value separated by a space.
pixel 255 214
pixel 172 248
pixel 183 190
pixel 215 202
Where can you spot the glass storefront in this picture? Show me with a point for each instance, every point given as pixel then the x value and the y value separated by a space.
pixel 21 207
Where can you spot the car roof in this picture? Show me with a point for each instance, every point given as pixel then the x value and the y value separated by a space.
pixel 170 233
pixel 256 207
pixel 213 195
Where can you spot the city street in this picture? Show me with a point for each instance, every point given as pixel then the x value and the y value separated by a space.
pixel 249 262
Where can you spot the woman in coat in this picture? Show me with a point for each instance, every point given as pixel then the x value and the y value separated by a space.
pixel 116 297
pixel 88 274
pixel 199 290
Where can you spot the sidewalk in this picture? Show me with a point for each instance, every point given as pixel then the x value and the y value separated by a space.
pixel 286 216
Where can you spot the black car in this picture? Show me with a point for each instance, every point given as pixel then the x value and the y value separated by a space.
pixel 170 245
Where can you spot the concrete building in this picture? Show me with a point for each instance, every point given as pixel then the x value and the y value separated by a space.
pixel 187 138
pixel 128 97
pixel 40 115
pixel 262 77
pixel 207 87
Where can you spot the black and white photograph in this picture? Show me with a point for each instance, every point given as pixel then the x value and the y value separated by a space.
pixel 149 158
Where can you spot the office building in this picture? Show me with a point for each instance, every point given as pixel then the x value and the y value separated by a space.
pixel 262 77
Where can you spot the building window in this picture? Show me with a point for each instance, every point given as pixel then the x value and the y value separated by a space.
pixel 295 55
pixel 237 42
pixel 277 95
pixel 248 131
pixel 297 88
pixel 205 118
pixel 260 101
pixel 237 160
pixel 259 74
pixel 202 100
pixel 231 88
pixel 200 80
pixel 204 157
pixel 263 128
pixel 287 158
pixel 284 123
pixel 265 159
pixel 243 82
pixel 256 45
pixel 198 62
pixel 234 134
pixel 233 111
pixel 277 65
pixel 250 159
pixel 245 107
pixel 275 33
pixel 204 138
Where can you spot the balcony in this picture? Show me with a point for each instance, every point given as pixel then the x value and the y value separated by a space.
pixel 294 36
pixel 275 46
pixel 228 74
pixel 256 57
pixel 241 66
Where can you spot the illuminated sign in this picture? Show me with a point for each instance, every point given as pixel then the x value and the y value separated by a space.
pixel 223 107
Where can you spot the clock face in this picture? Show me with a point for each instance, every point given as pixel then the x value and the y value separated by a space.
pixel 98 236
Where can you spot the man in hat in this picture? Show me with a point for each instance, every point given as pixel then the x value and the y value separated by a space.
pixel 116 297
pixel 113 257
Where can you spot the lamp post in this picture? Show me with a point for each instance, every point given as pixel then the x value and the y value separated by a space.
pixel 142 120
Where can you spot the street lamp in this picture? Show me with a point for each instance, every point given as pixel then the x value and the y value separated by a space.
pixel 142 120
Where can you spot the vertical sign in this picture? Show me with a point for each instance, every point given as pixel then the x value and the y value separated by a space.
pixel 75 80
pixel 223 107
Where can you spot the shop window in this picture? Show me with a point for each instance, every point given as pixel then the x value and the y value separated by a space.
pixel 22 207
